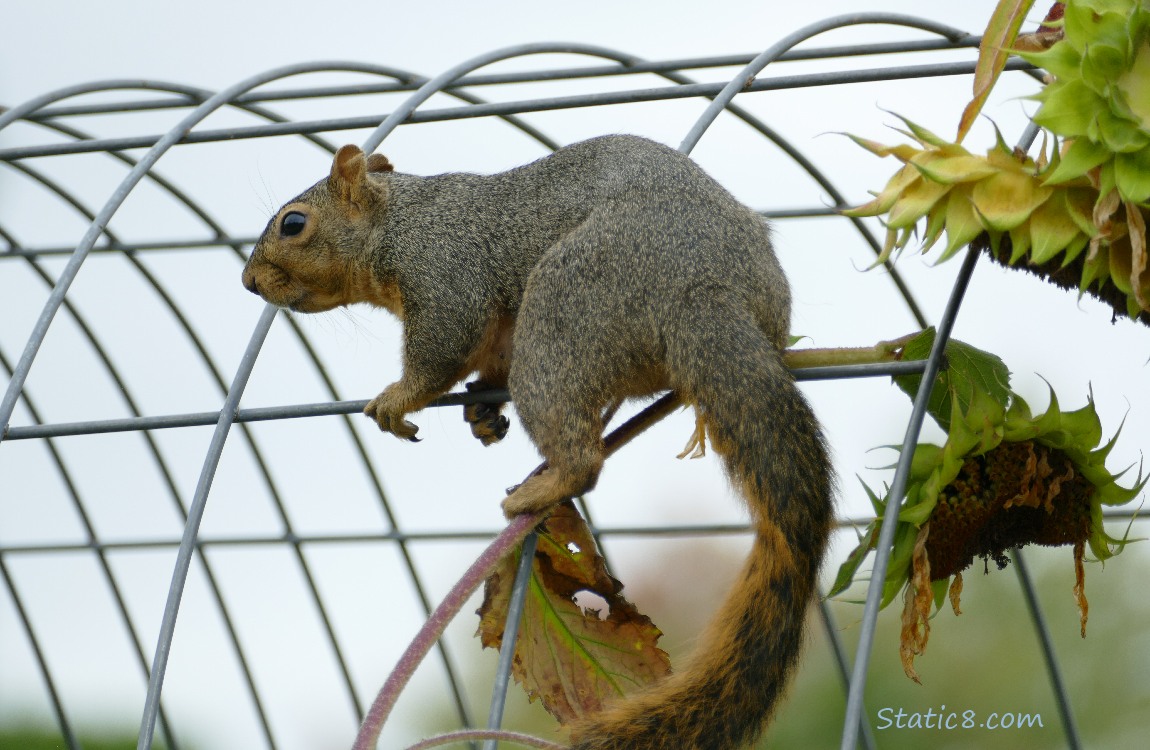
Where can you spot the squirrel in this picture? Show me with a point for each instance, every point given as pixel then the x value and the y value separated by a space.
pixel 610 269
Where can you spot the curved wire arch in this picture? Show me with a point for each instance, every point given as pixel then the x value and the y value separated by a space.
pixel 74 493
pixel 218 378
pixel 22 613
pixel 165 472
pixel 237 248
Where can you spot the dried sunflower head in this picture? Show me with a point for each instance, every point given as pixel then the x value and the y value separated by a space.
pixel 1003 479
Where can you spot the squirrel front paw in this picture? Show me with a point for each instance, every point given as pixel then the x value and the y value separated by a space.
pixel 389 418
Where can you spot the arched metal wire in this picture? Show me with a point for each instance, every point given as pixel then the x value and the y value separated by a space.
pixel 48 112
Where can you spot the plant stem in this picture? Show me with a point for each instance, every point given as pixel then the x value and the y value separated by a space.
pixel 485 734
pixel 380 709
pixel 883 351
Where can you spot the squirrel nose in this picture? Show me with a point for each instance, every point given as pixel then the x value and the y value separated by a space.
pixel 250 284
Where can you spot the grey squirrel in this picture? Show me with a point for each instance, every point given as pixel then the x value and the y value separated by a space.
pixel 610 269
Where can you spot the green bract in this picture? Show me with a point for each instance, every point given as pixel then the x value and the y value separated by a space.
pixel 1100 95
pixel 1044 212
pixel 1003 479
pixel 1080 208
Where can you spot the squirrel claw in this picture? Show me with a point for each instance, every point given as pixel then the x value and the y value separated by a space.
pixel 396 425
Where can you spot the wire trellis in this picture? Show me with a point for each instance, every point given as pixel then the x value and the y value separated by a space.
pixel 55 114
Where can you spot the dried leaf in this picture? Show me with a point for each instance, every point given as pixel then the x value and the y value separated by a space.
pixel 992 53
pixel 1080 585
pixel 916 612
pixel 1038 41
pixel 572 659
pixel 956 593
pixel 1137 227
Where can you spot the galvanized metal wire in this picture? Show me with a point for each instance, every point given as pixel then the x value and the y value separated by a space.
pixel 55 113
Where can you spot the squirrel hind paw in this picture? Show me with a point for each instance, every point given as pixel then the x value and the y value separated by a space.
pixel 487 424
pixel 545 490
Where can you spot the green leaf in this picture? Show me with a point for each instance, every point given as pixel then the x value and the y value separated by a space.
pixel 1052 229
pixel 1084 424
pixel 1132 174
pixel 969 371
pixel 1080 206
pixel 1133 89
pixel 927 138
pixel 1080 157
pixel 855 559
pixel 1019 243
pixel 918 198
pixel 1117 133
pixel 1006 199
pixel 1095 268
pixel 1069 108
pixel 1074 248
pixel 951 169
pixel 992 54
pixel 884 200
pixel 1062 60
pixel 902 152
pixel 962 222
pixel 1102 66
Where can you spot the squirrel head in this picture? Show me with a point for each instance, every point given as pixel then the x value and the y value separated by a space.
pixel 314 254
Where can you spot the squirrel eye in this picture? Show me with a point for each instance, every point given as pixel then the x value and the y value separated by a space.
pixel 292 224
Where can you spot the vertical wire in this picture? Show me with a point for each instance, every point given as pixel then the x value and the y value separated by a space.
pixel 1057 683
pixel 191 529
pixel 93 539
pixel 510 635
pixel 49 683
pixel 842 661
pixel 898 489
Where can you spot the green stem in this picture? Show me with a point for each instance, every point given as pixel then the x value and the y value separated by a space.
pixel 883 351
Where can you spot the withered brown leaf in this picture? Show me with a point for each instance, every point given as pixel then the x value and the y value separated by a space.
pixel 570 658
pixel 916 612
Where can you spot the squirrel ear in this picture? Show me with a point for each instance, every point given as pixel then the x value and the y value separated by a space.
pixel 349 176
pixel 348 165
pixel 379 163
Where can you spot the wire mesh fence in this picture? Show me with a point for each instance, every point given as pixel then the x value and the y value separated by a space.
pixel 126 380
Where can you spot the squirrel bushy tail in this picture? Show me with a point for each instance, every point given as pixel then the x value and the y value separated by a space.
pixel 773 449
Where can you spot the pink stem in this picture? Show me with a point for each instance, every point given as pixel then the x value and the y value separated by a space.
pixel 485 734
pixel 483 566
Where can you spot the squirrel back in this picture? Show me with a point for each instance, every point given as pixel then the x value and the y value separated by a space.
pixel 613 268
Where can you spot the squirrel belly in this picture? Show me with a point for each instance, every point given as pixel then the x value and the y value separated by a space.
pixel 613 268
